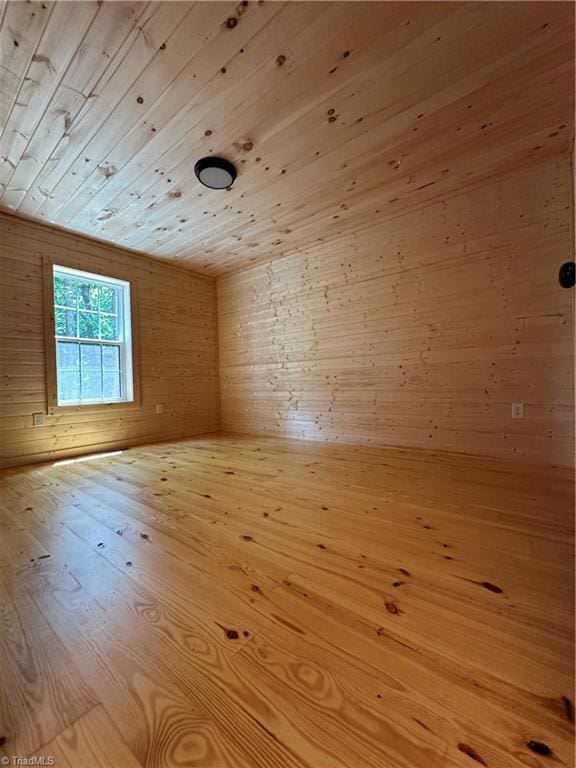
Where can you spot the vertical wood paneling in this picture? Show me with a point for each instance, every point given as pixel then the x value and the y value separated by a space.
pixel 176 338
pixel 418 332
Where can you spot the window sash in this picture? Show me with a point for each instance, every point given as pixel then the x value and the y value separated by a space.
pixel 123 344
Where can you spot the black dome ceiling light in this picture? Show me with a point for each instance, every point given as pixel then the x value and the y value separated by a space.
pixel 567 274
pixel 215 172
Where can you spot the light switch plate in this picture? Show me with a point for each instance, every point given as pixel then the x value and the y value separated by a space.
pixel 159 407
pixel 37 419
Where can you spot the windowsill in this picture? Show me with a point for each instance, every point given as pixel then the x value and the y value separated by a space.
pixel 82 403
pixel 123 405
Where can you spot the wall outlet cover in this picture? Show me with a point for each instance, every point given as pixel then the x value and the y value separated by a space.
pixel 517 410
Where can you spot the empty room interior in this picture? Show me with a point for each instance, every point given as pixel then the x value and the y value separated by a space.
pixel 287 384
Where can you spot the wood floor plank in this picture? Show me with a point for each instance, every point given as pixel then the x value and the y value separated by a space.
pixel 387 608
pixel 43 690
pixel 438 689
pixel 159 722
pixel 92 740
pixel 187 537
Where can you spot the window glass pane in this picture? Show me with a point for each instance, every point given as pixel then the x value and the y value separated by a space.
pixel 65 322
pixel 109 327
pixel 68 385
pixel 111 384
pixel 87 325
pixel 109 299
pixel 88 296
pixel 65 292
pixel 91 385
pixel 110 358
pixel 91 357
pixel 68 357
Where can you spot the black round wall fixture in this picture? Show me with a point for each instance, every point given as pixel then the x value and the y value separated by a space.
pixel 567 274
pixel 215 172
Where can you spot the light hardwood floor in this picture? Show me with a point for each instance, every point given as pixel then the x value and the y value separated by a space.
pixel 268 603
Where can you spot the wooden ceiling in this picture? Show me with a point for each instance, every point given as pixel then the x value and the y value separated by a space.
pixel 337 115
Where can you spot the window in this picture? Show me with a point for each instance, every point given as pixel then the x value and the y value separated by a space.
pixel 93 338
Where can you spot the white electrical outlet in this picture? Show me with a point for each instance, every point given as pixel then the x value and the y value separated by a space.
pixel 517 410
pixel 159 407
pixel 37 419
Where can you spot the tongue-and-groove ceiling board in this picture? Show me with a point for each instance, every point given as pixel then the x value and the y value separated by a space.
pixel 337 115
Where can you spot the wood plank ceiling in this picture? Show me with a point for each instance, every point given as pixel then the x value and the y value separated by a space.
pixel 337 115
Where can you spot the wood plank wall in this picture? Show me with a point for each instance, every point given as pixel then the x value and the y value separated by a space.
pixel 177 342
pixel 418 332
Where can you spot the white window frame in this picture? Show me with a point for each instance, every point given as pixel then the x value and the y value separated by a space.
pixel 124 344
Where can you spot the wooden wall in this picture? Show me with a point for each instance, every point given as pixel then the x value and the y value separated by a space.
pixel 420 331
pixel 176 336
